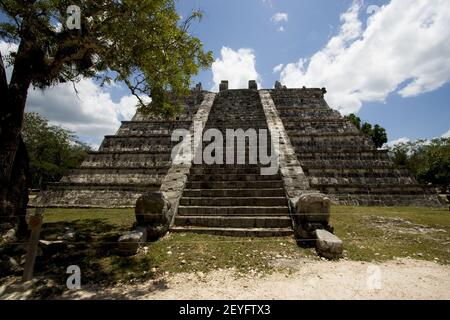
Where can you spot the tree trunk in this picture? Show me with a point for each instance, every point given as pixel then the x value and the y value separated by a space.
pixel 14 195
pixel 14 175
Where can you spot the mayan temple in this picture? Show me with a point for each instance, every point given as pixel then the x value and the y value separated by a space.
pixel 320 153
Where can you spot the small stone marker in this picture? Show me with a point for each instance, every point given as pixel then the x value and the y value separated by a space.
pixel 223 85
pixel 278 85
pixel 328 245
pixel 130 242
pixel 252 85
pixel 34 224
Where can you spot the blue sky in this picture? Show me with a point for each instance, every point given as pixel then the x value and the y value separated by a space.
pixel 388 61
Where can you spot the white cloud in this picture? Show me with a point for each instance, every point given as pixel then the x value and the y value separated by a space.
pixel 397 141
pixel 238 67
pixel 269 2
pixel 91 114
pixel 446 135
pixel 279 17
pixel 404 48
pixel 280 29
pixel 278 68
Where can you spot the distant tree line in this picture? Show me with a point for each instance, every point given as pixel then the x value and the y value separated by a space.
pixel 428 161
pixel 52 150
pixel 376 133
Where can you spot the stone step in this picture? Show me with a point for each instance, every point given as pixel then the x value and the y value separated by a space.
pixel 234 184
pixel 113 178
pixel 342 165
pixel 296 134
pixel 225 166
pixel 237 232
pixel 137 146
pixel 233 221
pixel 420 200
pixel 229 169
pixel 369 189
pixel 331 125
pixel 233 201
pixel 330 182
pixel 97 198
pixel 234 193
pixel 136 188
pixel 232 177
pixel 233 210
pixel 331 146
pixel 307 114
pixel 323 153
pixel 120 170
pixel 358 173
pixel 145 185
pixel 314 121
pixel 126 159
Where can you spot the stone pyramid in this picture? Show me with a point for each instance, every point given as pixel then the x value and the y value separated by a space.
pixel 321 151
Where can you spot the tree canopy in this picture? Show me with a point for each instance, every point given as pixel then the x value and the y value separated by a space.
pixel 52 150
pixel 376 133
pixel 428 161
pixel 141 43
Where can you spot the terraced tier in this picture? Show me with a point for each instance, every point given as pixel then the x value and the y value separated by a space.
pixel 338 159
pixel 127 164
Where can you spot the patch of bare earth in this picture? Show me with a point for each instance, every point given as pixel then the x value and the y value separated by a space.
pixel 399 225
pixel 300 279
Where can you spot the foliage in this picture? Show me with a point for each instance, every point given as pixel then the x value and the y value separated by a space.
pixel 376 133
pixel 52 150
pixel 141 43
pixel 429 161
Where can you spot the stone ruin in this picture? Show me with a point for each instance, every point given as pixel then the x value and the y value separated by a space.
pixel 324 159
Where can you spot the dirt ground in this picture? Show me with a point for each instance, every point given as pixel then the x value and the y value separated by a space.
pixel 303 279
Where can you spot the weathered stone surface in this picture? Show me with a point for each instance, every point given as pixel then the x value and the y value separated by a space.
pixel 154 232
pixel 313 207
pixel 338 159
pixel 328 245
pixel 152 209
pixel 133 161
pixel 130 242
pixel 252 85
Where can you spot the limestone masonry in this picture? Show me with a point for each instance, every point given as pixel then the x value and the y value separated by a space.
pixel 321 153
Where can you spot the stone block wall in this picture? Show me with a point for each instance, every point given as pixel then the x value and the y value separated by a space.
pixel 133 161
pixel 338 159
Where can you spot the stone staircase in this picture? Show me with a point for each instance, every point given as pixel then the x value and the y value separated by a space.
pixel 234 199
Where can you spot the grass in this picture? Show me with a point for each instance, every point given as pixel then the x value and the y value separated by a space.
pixel 381 234
pixel 369 234
pixel 99 229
